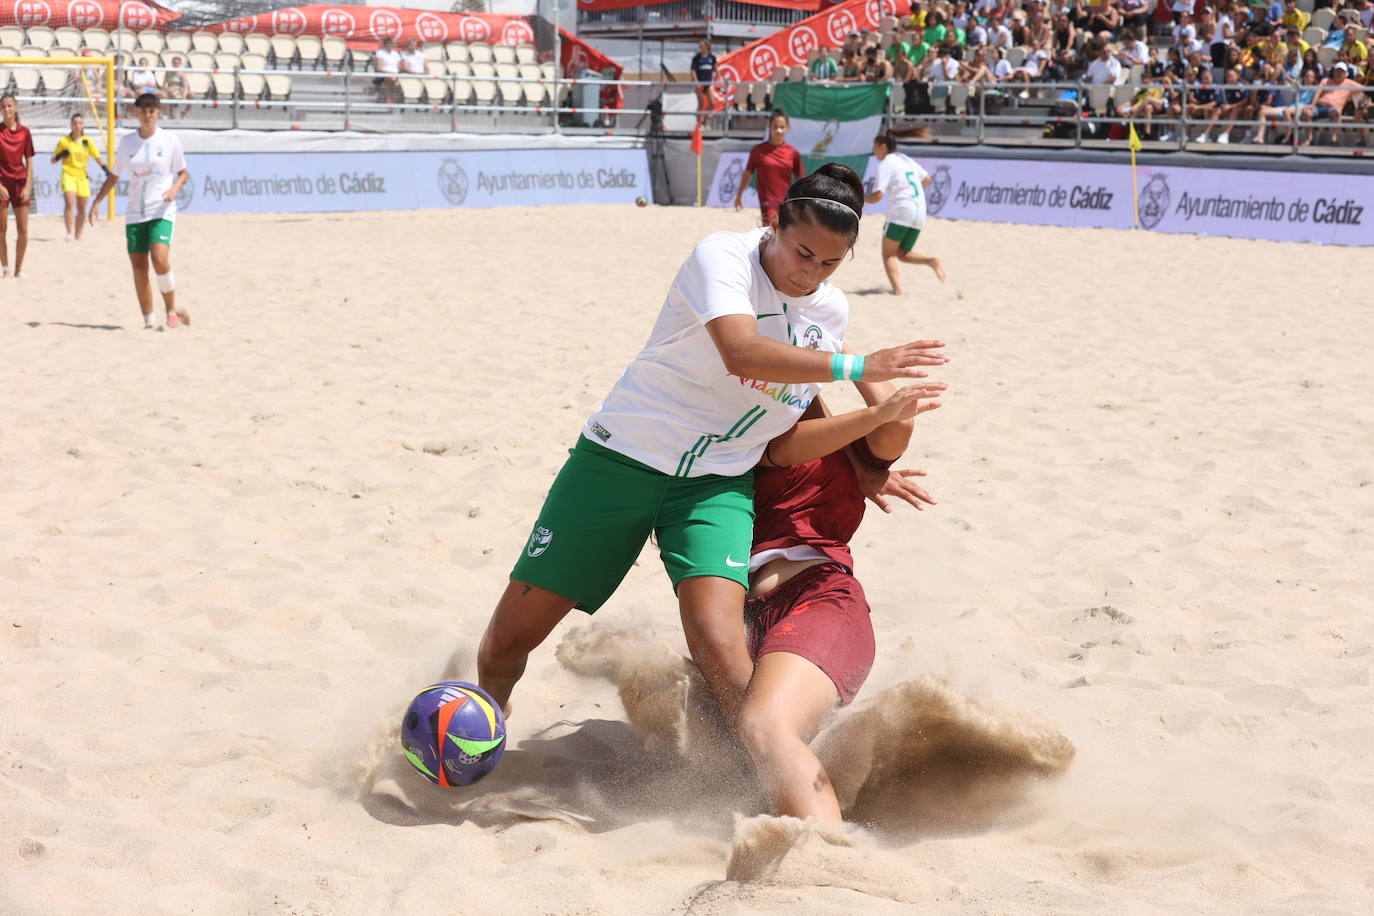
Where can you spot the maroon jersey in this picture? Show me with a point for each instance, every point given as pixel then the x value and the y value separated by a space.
pixel 775 167
pixel 16 146
pixel 817 503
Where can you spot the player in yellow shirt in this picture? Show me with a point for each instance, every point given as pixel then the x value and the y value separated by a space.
pixel 74 150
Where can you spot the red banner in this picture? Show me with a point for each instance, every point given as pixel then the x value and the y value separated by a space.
pixel 85 14
pixel 598 5
pixel 368 25
pixel 788 47
pixel 578 56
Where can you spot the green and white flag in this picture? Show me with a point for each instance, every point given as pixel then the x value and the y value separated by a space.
pixel 833 123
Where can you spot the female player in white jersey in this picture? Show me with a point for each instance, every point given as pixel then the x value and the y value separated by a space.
pixel 155 164
pixel 902 180
pixel 748 332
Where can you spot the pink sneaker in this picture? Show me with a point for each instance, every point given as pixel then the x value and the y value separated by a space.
pixel 172 320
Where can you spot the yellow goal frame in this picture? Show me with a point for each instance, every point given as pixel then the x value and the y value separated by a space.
pixel 108 127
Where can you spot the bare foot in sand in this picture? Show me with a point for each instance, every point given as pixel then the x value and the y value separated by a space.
pixel 939 268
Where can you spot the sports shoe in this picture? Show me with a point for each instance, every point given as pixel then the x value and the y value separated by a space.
pixel 1224 138
pixel 172 320
pixel 185 317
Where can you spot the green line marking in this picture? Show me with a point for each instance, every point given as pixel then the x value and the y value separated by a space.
pixel 475 748
pixel 418 762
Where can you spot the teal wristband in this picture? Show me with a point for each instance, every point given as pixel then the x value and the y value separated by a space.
pixel 838 366
pixel 846 367
pixel 856 371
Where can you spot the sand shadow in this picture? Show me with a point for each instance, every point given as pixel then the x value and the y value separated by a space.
pixel 70 324
pixel 871 291
pixel 595 775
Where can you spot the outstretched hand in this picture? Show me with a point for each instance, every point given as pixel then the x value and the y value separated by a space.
pixel 911 401
pixel 880 487
pixel 902 362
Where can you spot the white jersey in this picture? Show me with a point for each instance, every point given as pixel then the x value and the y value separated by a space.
pixel 675 408
pixel 899 178
pixel 151 166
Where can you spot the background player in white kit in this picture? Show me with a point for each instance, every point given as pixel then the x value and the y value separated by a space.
pixel 904 182
pixel 155 165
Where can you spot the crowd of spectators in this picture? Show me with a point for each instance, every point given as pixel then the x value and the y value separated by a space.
pixel 1301 80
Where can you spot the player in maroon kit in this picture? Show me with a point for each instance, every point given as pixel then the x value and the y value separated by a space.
pixel 776 164
pixel 806 616
pixel 16 182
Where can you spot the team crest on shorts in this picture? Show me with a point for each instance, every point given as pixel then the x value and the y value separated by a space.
pixel 539 541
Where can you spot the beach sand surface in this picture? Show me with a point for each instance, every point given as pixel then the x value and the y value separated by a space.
pixel 1123 666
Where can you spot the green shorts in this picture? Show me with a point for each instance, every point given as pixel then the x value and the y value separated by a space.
pixel 601 509
pixel 904 236
pixel 142 236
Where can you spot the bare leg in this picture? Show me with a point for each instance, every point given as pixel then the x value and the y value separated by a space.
pixel 21 239
pixel 143 283
pixel 162 264
pixel 80 215
pixel 4 242
pixel 712 611
pixel 932 262
pixel 524 617
pixel 789 700
pixel 68 211
pixel 892 263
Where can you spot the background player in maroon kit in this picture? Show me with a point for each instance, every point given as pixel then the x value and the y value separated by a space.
pixel 806 615
pixel 776 164
pixel 16 182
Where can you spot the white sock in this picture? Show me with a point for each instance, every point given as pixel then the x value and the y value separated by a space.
pixel 148 321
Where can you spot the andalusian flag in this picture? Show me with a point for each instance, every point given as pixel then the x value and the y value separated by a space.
pixel 833 123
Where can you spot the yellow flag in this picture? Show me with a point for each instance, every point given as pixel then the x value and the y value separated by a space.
pixel 1135 140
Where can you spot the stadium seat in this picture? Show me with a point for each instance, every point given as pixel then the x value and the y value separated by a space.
pixel 40 36
pixel 741 96
pixel 796 74
pixel 779 75
pixel 1327 56
pixel 958 97
pixel 460 68
pixel 31 51
pixel 150 40
pixel 123 40
pixel 436 68
pixel 7 52
pixel 59 51
pixel 179 41
pixel 226 87
pixel 457 50
pixel 511 92
pixel 224 60
pixel 1314 36
pixel 69 37
pixel 309 49
pixel 96 39
pixel 479 52
pixel 412 89
pixel 503 54
pixel 1016 56
pixel 198 85
pixel 1307 5
pixel 549 70
pixel 526 54
pixel 11 36
pixel 252 85
pixel 283 50
pixel 54 79
pixel 257 43
pixel 230 43
pixel 278 87
pixel 334 49
pixel 250 61
pixel 1321 19
pixel 535 93
pixel 200 60
pixel 483 70
pixel 1097 99
pixel 1122 95
pixel 436 90
pixel 360 60
pixel 26 81
pixel 207 42
pixel 483 92
pixel 462 92
pixel 169 56
pixel 758 96
pixel 433 50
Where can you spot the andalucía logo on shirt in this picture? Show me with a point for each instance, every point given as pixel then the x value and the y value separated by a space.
pixel 780 393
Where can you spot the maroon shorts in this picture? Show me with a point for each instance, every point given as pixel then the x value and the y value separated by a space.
pixel 820 614
pixel 15 187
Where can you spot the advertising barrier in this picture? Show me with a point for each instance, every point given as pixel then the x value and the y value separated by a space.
pixel 330 182
pixel 1324 208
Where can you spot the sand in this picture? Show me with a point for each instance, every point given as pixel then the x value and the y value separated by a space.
pixel 1124 666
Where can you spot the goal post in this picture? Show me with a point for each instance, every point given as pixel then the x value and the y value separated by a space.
pixel 50 90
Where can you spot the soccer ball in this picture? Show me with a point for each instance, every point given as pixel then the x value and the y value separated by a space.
pixel 641 201
pixel 453 733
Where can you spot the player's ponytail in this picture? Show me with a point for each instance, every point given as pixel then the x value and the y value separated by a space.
pixel 831 197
